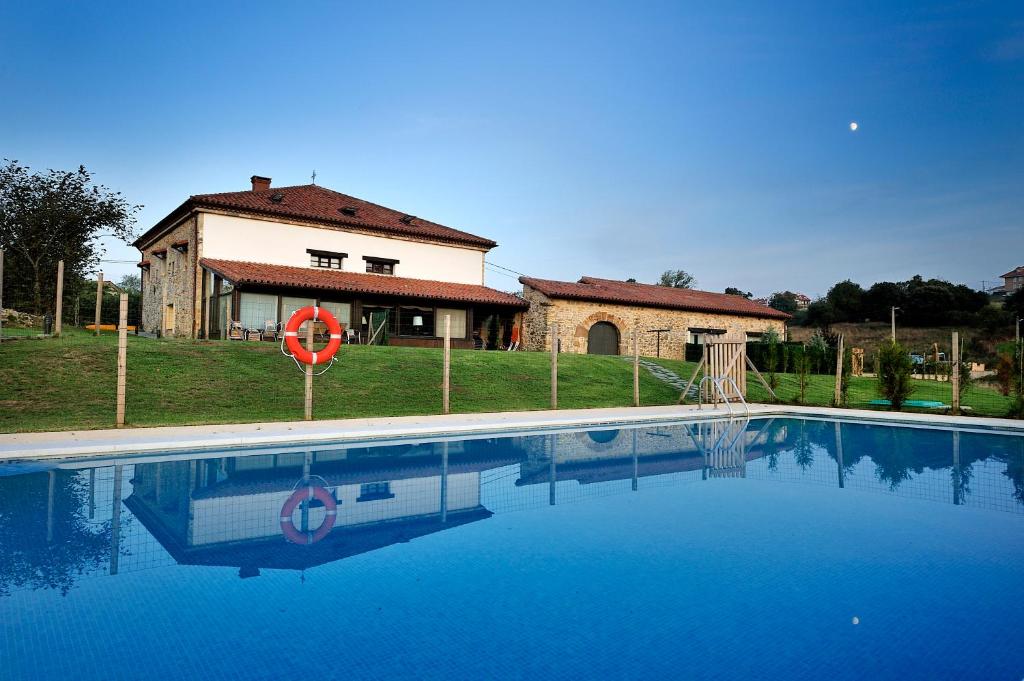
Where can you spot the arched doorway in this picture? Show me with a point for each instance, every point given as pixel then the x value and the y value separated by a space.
pixel 603 339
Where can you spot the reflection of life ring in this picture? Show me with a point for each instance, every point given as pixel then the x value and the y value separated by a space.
pixel 288 528
pixel 291 334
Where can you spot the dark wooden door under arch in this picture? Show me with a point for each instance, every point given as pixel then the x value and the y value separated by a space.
pixel 603 339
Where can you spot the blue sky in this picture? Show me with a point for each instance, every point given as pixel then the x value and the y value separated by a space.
pixel 608 139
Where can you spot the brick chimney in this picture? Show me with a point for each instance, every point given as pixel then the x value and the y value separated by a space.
pixel 259 182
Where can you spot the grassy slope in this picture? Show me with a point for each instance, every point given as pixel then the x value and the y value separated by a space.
pixel 982 399
pixel 70 383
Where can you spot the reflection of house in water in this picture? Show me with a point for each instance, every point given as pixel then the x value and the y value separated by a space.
pixel 227 511
pixel 717 448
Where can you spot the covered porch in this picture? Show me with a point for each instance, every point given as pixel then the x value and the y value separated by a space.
pixel 377 309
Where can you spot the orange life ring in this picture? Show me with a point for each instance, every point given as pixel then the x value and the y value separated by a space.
pixel 291 335
pixel 288 528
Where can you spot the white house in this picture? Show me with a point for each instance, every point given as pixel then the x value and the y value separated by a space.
pixel 255 256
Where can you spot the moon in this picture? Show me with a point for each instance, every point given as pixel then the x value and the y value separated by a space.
pixel 853 126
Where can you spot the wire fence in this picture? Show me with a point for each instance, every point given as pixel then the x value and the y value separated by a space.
pixel 74 380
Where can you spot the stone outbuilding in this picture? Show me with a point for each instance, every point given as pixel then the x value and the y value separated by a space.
pixel 599 316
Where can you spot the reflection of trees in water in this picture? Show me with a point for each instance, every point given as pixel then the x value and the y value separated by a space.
pixel 76 545
pixel 803 452
pixel 1015 472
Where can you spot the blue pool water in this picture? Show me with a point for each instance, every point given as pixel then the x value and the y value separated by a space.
pixel 768 549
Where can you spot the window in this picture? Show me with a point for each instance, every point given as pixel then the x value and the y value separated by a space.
pixel 380 265
pixel 341 311
pixel 700 335
pixel 326 259
pixel 458 322
pixel 373 491
pixel 416 321
pixel 290 304
pixel 256 309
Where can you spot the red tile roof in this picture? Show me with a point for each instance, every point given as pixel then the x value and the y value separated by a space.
pixel 1017 272
pixel 255 273
pixel 313 203
pixel 144 263
pixel 649 295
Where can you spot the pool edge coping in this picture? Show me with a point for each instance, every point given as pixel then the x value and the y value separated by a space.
pixel 164 439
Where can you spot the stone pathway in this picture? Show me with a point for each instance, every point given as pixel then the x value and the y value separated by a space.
pixel 665 375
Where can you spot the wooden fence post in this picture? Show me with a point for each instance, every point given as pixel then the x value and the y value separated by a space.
pixel 554 365
pixel 446 385
pixel 954 372
pixel 308 401
pixel 99 301
pixel 122 358
pixel 59 303
pixel 636 367
pixel 1 293
pixel 837 400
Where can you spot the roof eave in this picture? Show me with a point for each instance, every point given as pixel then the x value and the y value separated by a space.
pixel 479 242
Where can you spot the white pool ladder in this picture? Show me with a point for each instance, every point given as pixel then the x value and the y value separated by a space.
pixel 718 382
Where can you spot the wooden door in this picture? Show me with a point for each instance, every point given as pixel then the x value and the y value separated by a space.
pixel 603 339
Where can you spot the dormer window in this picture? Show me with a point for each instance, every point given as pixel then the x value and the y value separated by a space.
pixel 380 265
pixel 327 259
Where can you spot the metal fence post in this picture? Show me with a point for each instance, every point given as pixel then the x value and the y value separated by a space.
pixel 446 383
pixel 954 373
pixel 59 304
pixel 122 358
pixel 99 301
pixel 554 365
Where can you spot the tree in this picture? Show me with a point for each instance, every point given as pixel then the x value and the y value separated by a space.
pixel 129 283
pixel 733 291
pixel 847 300
pixel 820 314
pixel 783 301
pixel 51 216
pixel 879 300
pixel 677 279
pixel 1014 304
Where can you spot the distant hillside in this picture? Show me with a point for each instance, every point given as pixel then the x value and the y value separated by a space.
pixel 979 345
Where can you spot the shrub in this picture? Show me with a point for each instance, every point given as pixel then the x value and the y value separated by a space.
pixel 894 369
pixel 773 360
pixel 1004 372
pixel 802 364
pixel 1016 408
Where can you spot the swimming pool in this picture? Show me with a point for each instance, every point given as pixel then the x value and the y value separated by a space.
pixel 765 549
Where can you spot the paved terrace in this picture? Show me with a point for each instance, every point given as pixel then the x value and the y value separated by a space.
pixel 98 443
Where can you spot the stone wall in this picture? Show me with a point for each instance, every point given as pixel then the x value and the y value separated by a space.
pixel 172 280
pixel 575 317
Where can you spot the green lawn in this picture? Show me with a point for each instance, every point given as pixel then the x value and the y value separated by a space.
pixel 981 398
pixel 70 383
